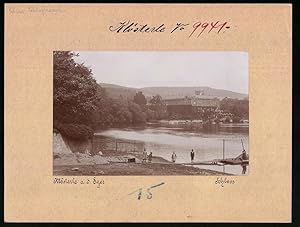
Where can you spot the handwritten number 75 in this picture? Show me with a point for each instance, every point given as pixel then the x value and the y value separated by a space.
pixel 149 194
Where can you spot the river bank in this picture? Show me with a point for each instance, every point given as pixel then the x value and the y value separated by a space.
pixel 113 160
pixel 114 163
pixel 133 169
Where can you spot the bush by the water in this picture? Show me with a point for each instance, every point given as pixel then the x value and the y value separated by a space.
pixel 75 131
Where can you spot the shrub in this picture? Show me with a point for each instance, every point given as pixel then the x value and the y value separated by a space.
pixel 76 131
pixel 236 119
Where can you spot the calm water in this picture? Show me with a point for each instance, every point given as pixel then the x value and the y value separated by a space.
pixel 207 145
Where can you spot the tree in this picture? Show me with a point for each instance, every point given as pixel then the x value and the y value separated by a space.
pixel 74 90
pixel 158 107
pixel 103 114
pixel 239 108
pixel 156 100
pixel 151 115
pixel 138 116
pixel 140 99
pixel 121 113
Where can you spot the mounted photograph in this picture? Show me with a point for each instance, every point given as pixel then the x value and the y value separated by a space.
pixel 150 113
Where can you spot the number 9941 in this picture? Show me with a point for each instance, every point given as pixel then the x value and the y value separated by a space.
pixel 207 27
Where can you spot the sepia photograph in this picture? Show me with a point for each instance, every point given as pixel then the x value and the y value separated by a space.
pixel 121 113
pixel 148 113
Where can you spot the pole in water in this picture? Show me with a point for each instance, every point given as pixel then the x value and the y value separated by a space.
pixel 242 144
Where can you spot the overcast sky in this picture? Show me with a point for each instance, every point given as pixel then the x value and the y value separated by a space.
pixel 221 70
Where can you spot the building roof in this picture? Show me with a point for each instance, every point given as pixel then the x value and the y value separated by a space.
pixel 201 100
pixel 182 101
pixel 193 97
pixel 204 97
pixel 205 102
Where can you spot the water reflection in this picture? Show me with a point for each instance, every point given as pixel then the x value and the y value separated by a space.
pixel 244 168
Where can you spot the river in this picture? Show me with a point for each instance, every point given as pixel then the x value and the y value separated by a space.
pixel 207 144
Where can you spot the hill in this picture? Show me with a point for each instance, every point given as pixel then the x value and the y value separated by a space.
pixel 168 92
pixel 179 92
pixel 115 91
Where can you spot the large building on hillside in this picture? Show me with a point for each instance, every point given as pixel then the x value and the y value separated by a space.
pixel 194 106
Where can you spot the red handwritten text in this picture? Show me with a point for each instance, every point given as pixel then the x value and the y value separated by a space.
pixel 201 27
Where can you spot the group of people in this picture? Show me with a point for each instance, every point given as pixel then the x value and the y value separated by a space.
pixel 174 156
pixel 147 157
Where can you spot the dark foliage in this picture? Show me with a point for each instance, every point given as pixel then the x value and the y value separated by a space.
pixel 75 131
pixel 238 107
pixel 74 89
pixel 140 99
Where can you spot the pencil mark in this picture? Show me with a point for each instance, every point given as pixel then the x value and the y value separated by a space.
pixel 149 194
pixel 34 10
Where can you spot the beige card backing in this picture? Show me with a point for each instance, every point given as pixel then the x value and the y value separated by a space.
pixel 33 32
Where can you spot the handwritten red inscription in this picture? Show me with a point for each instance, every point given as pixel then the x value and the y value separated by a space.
pixel 201 27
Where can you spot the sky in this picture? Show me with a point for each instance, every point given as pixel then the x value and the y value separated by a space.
pixel 221 70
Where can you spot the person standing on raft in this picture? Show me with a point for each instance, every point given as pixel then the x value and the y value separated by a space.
pixel 244 155
pixel 244 165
